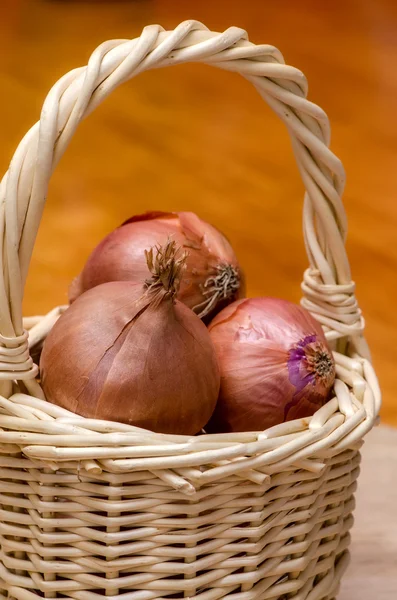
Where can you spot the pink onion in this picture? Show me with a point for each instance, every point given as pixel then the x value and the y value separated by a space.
pixel 275 364
pixel 212 278
pixel 122 353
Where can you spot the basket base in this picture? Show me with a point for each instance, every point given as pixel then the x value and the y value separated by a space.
pixel 129 536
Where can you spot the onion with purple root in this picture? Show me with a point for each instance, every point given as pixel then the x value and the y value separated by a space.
pixel 275 365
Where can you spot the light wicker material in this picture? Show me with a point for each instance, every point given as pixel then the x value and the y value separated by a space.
pixel 91 508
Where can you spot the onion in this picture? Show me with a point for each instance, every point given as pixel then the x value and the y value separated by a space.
pixel 275 364
pixel 212 278
pixel 134 355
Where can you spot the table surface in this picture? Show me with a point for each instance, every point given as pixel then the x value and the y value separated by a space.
pixel 372 574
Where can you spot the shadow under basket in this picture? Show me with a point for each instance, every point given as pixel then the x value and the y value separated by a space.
pixel 91 508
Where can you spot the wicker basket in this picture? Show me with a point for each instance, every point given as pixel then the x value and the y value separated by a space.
pixel 91 508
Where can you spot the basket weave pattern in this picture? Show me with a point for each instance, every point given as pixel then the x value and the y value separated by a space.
pixel 90 508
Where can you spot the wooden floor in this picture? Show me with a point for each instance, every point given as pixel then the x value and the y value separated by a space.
pixel 198 139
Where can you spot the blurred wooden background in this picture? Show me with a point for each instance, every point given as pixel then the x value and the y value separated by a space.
pixel 195 138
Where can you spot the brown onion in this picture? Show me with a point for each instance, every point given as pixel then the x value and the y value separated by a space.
pixel 122 353
pixel 275 364
pixel 212 278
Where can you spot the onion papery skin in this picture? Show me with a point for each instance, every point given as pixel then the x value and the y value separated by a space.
pixel 117 355
pixel 275 365
pixel 212 278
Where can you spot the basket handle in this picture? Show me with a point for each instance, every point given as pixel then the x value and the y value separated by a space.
pixel 328 290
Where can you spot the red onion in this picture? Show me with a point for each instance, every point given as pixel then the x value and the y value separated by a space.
pixel 212 278
pixel 275 364
pixel 122 353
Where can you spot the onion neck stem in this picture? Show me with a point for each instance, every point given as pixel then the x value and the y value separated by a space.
pixel 166 264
